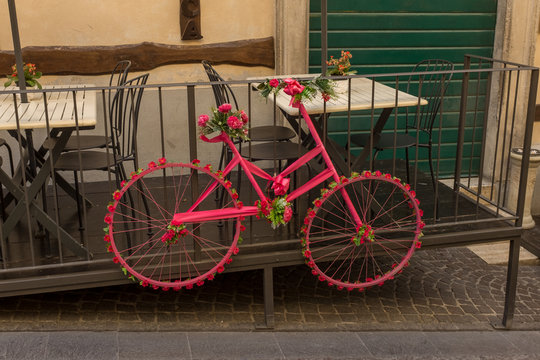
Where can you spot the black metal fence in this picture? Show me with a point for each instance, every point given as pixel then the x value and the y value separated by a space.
pixel 475 192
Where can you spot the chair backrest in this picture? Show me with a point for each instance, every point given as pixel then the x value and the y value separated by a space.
pixel 124 122
pixel 431 87
pixel 118 77
pixel 222 92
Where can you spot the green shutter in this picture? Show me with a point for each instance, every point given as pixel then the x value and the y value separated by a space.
pixel 391 36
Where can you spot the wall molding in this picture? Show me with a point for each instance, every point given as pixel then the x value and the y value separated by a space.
pixel 96 60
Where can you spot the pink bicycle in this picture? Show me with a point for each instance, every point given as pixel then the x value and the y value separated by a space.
pixel 360 232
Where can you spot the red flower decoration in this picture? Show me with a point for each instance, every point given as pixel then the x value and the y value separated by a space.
pixel 367 174
pixel 108 219
pixel 317 203
pixel 235 251
pixel 122 183
pixel 116 260
pixel 235 196
pixel 196 162
pixel 162 161
pixel 314 272
pixel 189 286
pixel 111 208
pixel 239 204
pixel 107 238
pixel 307 253
pixel 220 269
pixel 152 164
pixel 117 195
pixel 229 260
pixel 200 283
pixel 210 277
pixel 242 228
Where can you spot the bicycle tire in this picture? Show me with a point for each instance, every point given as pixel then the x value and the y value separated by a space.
pixel 141 238
pixel 357 256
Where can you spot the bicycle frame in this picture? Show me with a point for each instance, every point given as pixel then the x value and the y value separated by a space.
pixel 251 169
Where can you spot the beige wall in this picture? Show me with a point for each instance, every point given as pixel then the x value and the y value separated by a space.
pixel 115 22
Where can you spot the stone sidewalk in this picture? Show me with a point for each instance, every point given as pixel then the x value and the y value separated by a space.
pixel 524 345
pixel 442 289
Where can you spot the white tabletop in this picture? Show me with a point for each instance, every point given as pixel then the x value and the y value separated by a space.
pixel 361 97
pixel 60 109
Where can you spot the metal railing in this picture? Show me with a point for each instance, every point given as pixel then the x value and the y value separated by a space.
pixel 487 110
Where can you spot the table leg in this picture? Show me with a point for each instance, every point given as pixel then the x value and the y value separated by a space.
pixel 19 210
pixel 360 160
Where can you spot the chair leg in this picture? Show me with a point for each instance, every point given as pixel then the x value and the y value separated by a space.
pixel 407 165
pixel 2 203
pixel 436 215
pixel 79 209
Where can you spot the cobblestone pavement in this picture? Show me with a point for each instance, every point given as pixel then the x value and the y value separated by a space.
pixel 443 289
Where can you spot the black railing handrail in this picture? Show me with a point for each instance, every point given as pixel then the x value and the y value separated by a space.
pixel 73 88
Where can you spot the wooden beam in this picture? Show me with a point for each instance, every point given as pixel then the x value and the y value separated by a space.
pixel 95 60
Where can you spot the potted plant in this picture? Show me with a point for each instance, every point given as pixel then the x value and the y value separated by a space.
pixel 341 66
pixel 30 76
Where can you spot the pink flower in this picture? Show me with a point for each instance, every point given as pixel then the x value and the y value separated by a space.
pixel 162 161
pixel 244 117
pixel 210 277
pixel 225 108
pixel 111 208
pixel 116 260
pixel 317 203
pixel 287 214
pixel 196 162
pixel 108 219
pixel 117 195
pixel 107 238
pixel 203 119
pixel 234 122
pixel 235 251
pixel 152 164
pixel 220 269
pixel 293 87
pixel 274 83
pixel 122 183
pixel 307 253
pixel 242 228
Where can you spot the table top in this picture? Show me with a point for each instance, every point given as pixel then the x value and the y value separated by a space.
pixel 361 97
pixel 60 110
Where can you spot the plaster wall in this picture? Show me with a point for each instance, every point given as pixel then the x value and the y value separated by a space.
pixel 117 22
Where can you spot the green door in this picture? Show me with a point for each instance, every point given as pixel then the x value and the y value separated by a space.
pixel 390 36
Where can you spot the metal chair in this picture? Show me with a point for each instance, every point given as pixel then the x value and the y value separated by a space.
pixel 84 142
pixel 432 87
pixel 124 124
pixel 286 149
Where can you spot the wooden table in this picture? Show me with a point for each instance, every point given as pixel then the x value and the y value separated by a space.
pixel 365 94
pixel 62 112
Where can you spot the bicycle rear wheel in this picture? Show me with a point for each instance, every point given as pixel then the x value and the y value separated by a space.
pixel 355 255
pixel 158 254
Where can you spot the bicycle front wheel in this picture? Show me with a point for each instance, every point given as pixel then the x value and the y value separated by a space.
pixel 356 255
pixel 158 254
